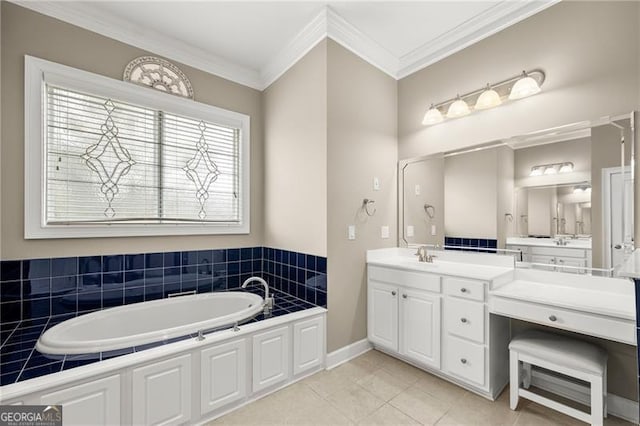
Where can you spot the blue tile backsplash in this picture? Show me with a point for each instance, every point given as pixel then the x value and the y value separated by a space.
pixel 40 288
pixel 477 245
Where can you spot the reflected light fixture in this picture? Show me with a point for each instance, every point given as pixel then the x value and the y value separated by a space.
pixel 458 108
pixel 579 189
pixel 525 86
pixel 488 99
pixel 551 169
pixel 433 116
pixel 492 95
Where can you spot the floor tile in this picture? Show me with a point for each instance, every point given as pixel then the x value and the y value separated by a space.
pixel 421 406
pixel 383 384
pixel 355 370
pixel 403 371
pixel 440 389
pixel 327 383
pixel 388 415
pixel 355 402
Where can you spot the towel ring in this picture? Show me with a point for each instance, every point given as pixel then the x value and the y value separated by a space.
pixel 430 210
pixel 365 206
pixel 509 217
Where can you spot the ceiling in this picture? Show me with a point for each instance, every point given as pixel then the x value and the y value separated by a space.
pixel 253 43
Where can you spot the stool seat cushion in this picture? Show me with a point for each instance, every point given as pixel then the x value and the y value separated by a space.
pixel 562 350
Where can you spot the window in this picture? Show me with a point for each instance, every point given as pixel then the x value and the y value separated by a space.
pixel 107 158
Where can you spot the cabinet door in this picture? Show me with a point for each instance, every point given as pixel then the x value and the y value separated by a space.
pixel 420 327
pixel 270 358
pixel 549 260
pixel 308 345
pixel 382 322
pixel 222 375
pixel 95 403
pixel 575 263
pixel 162 392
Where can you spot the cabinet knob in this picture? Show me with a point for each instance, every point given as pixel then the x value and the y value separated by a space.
pixel 463 360
pixel 404 296
pixel 553 318
pixel 393 293
pixel 464 320
pixel 464 290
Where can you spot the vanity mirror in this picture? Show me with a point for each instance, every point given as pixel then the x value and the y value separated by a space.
pixel 560 199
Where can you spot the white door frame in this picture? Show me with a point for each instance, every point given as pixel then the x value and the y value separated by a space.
pixel 606 210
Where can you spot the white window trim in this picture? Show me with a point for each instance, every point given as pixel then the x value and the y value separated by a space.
pixel 38 72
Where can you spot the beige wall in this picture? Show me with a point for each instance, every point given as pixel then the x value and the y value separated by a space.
pixel 295 136
pixel 362 144
pixel 587 50
pixel 27 33
pixel 470 194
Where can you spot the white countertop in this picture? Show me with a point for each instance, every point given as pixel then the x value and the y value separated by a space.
pixel 603 302
pixel 550 242
pixel 631 268
pixel 479 266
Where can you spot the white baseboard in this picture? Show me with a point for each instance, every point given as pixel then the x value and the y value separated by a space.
pixel 617 405
pixel 347 353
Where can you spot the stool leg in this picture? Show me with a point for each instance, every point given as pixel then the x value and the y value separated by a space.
pixel 514 379
pixel 526 381
pixel 604 392
pixel 597 401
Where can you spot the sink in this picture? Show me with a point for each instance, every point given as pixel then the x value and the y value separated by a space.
pixel 421 265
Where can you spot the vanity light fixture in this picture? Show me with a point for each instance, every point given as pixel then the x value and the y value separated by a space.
pixel 488 99
pixel 433 116
pixel 525 86
pixel 579 189
pixel 458 108
pixel 536 171
pixel 492 95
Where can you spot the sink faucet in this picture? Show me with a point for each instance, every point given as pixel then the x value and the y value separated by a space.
pixel 268 301
pixel 423 256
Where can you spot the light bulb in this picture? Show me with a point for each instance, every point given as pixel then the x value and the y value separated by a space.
pixel 525 86
pixel 566 168
pixel 550 170
pixel 536 171
pixel 433 116
pixel 488 99
pixel 459 108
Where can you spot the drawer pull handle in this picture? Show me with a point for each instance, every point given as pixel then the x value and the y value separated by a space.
pixel 393 293
pixel 463 360
pixel 553 318
pixel 463 320
pixel 404 296
pixel 464 290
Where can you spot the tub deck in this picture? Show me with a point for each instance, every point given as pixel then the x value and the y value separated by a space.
pixel 20 361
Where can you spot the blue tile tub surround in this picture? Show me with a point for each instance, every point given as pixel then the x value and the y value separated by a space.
pixel 20 361
pixel 477 245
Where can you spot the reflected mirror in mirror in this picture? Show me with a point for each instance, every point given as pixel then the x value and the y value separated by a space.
pixel 563 198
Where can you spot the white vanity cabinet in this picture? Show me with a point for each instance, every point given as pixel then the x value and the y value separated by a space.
pixel 440 323
pixel 403 318
pixel 557 257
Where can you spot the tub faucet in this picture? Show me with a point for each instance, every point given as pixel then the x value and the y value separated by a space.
pixel 268 301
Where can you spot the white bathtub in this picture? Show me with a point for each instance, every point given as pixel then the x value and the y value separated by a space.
pixel 147 322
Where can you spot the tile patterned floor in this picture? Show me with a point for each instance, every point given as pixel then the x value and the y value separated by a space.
pixel 375 389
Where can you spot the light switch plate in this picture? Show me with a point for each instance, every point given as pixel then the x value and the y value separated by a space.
pixel 410 231
pixel 376 184
pixel 351 232
pixel 433 230
pixel 417 189
pixel 384 232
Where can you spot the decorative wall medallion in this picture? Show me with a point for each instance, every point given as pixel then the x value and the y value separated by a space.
pixel 108 159
pixel 160 74
pixel 201 170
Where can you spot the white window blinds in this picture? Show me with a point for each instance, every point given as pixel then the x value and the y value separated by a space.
pixel 114 162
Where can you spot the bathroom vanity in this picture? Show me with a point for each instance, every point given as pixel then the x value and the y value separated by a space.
pixel 452 317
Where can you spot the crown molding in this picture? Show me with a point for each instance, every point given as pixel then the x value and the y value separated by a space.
pixel 342 32
pixel 327 23
pixel 82 15
pixel 481 26
pixel 314 32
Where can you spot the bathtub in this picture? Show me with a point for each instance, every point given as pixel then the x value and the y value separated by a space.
pixel 147 322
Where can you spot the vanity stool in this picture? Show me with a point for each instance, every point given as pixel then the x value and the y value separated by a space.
pixel 565 355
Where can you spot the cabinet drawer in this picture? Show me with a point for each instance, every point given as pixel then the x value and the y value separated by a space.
pixel 590 324
pixel 464 318
pixel 465 360
pixel 467 289
pixel 559 251
pixel 419 280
